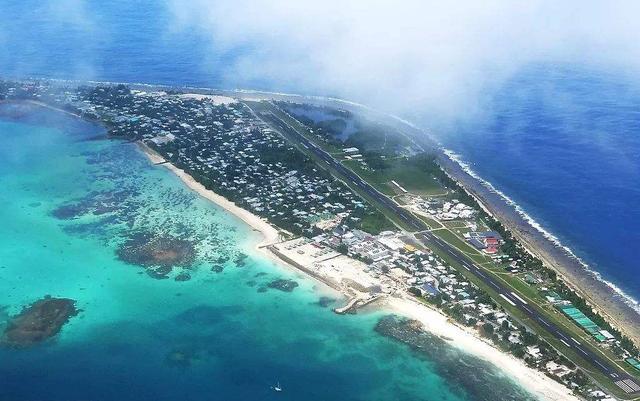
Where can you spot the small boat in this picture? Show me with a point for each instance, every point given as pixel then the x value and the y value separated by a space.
pixel 277 388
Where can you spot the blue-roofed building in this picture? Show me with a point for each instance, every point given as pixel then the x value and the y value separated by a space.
pixel 429 289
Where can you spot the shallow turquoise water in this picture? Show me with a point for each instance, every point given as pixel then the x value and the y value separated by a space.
pixel 235 338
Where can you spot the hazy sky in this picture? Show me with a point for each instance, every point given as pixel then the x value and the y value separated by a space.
pixel 445 56
pixel 409 56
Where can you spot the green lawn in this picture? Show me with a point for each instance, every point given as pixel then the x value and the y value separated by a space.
pixel 410 176
pixel 376 223
pixel 433 224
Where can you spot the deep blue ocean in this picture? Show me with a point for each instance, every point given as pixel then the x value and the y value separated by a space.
pixel 564 144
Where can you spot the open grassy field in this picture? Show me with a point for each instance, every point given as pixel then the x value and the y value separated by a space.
pixel 411 177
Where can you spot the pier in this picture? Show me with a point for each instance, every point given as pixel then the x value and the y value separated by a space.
pixel 355 303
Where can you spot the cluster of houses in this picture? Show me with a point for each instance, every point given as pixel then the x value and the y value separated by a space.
pixel 486 241
pixel 226 148
pixel 223 146
pixel 390 254
pixel 444 210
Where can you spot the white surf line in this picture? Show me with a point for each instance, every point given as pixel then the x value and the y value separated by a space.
pixel 518 298
pixel 508 300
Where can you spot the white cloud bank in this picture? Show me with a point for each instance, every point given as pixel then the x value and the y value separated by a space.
pixel 413 55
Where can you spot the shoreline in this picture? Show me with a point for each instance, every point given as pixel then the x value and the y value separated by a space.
pixel 620 309
pixel 469 341
pixel 499 208
pixel 599 294
pixel 536 382
pixel 269 234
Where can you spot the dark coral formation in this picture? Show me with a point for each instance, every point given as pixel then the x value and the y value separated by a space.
pixel 96 203
pixel 217 268
pixel 479 380
pixel 38 322
pixel 285 285
pixel 241 259
pixel 68 211
pixel 159 253
pixel 324 302
pixel 184 276
pixel 128 209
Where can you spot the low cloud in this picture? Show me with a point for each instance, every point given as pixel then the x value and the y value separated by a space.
pixel 409 56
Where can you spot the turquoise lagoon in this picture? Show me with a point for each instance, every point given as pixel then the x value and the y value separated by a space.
pixel 70 198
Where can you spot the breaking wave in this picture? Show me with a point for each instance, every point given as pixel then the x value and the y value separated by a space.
pixel 456 158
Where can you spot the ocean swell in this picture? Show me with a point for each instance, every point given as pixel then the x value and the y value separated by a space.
pixel 464 166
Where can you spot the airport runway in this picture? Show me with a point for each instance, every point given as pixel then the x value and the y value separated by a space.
pixel 621 379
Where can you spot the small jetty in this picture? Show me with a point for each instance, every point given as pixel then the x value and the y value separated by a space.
pixel 355 303
pixel 348 307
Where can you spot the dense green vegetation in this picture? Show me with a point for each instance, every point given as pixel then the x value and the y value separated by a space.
pixel 375 223
pixel 416 174
pixel 372 138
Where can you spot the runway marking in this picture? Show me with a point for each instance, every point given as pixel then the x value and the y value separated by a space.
pixel 599 364
pixel 508 300
pixel 632 384
pixel 519 299
pixel 527 308
pixel 544 322
pixel 575 341
pixel 624 386
pixel 565 343
pixel 583 351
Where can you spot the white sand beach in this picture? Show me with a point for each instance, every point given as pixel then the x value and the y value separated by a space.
pixel 269 233
pixel 469 341
pixel 464 338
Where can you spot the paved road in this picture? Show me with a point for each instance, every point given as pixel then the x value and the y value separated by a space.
pixel 623 380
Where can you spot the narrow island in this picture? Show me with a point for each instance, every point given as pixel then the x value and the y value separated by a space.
pixel 367 205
